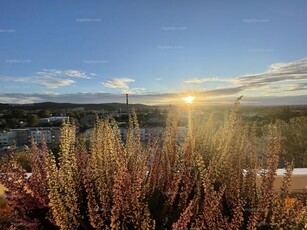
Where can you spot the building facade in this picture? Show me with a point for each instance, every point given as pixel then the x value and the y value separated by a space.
pixel 23 137
pixel 7 138
pixel 51 135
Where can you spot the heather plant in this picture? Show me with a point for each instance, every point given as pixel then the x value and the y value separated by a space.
pixel 212 180
pixel 28 197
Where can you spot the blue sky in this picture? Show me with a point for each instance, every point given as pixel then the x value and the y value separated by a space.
pixel 157 51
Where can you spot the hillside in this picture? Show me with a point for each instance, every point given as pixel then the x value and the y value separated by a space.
pixel 61 106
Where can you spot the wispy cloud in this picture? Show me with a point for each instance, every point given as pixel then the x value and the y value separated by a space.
pixel 135 91
pixel 287 87
pixel 279 73
pixel 206 79
pixel 52 82
pixel 49 78
pixel 14 79
pixel 43 81
pixel 281 83
pixel 19 98
pixel 118 83
pixel 63 73
pixel 153 99
pixel 123 84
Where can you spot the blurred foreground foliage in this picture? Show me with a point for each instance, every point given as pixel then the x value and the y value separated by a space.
pixel 206 182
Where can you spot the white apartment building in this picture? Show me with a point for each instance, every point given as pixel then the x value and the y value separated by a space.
pixel 51 135
pixel 39 134
pixel 153 132
pixel 7 138
pixel 145 133
pixel 58 119
pixel 22 136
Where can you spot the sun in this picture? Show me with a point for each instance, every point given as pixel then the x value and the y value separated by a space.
pixel 189 99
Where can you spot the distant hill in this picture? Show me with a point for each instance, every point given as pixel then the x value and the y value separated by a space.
pixel 62 106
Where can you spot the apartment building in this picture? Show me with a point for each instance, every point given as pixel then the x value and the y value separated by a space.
pixel 145 133
pixel 7 138
pixel 50 134
pixel 23 136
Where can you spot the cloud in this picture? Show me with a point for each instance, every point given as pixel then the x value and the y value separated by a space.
pixel 281 83
pixel 221 92
pixel 135 91
pixel 123 84
pixel 153 99
pixel 14 79
pixel 76 73
pixel 118 83
pixel 52 82
pixel 287 87
pixel 279 73
pixel 45 81
pixel 49 78
pixel 19 98
pixel 64 73
pixel 208 79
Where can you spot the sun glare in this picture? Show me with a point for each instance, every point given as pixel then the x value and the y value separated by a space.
pixel 189 99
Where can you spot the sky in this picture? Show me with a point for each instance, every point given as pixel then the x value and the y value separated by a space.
pixel 157 51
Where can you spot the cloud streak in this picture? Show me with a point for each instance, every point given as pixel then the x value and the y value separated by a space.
pixel 118 83
pixel 280 73
pixel 63 73
pixel 52 82
pixel 206 79
pixel 152 99
pixel 49 78
pixel 266 87
pixel 123 84
pixel 14 79
pixel 45 81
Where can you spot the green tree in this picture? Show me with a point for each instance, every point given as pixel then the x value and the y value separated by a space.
pixel 32 120
pixel 294 140
pixel 44 113
pixel 19 113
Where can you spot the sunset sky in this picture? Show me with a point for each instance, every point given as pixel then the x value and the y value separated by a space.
pixel 157 51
